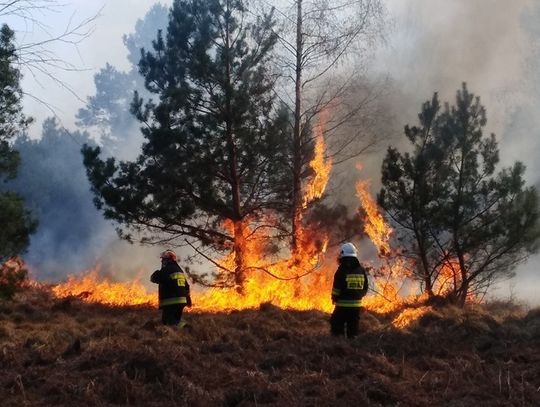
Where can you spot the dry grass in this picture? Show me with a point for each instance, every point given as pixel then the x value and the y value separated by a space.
pixel 64 352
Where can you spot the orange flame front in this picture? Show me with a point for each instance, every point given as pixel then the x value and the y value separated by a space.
pixel 302 282
pixel 93 288
pixel 289 290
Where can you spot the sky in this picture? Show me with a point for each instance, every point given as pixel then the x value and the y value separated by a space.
pixel 429 45
pixel 113 19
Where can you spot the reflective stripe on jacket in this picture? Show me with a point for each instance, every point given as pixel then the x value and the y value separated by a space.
pixel 350 286
pixel 173 286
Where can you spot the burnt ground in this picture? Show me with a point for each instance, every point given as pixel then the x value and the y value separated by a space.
pixel 66 352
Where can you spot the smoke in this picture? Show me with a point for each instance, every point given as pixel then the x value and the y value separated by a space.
pixel 435 45
pixel 72 235
pixel 431 46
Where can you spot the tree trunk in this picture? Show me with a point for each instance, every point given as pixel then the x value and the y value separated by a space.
pixel 463 290
pixel 239 239
pixel 424 264
pixel 297 153
pixel 239 256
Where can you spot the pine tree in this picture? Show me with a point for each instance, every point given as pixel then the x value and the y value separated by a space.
pixel 456 216
pixel 16 224
pixel 107 112
pixel 213 138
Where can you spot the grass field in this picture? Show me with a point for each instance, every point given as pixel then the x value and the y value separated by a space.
pixel 66 352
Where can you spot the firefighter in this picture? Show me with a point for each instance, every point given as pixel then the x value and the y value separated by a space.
pixel 350 286
pixel 174 292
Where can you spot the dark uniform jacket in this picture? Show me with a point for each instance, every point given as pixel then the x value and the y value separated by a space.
pixel 350 285
pixel 173 286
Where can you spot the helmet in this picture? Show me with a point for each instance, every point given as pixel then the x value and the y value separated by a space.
pixel 348 250
pixel 168 254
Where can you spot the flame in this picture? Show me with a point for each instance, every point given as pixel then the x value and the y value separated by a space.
pixel 93 288
pixel 409 315
pixel 390 294
pixel 319 164
pixel 448 277
pixel 302 281
pixel 293 283
pixel 298 282
pixel 375 226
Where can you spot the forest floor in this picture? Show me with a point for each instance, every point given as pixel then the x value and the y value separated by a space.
pixel 65 352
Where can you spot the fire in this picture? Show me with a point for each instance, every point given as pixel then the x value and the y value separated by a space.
pixel 375 226
pixel 409 315
pixel 293 283
pixel 93 288
pixel 319 164
pixel 302 281
pixel 299 282
pixel 262 288
pixel 448 277
pixel 393 273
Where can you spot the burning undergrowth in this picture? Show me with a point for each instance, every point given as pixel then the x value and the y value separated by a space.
pixel 69 352
pixel 301 282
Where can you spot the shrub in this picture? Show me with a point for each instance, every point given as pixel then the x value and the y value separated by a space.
pixel 13 278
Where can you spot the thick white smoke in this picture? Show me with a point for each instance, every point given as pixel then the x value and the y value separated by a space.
pixel 492 45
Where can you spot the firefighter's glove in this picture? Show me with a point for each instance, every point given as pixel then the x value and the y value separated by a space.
pixel 188 303
pixel 154 278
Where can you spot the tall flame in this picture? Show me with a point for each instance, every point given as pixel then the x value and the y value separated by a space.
pixel 389 288
pixel 302 281
pixel 298 282
pixel 375 226
pixel 320 165
pixel 274 282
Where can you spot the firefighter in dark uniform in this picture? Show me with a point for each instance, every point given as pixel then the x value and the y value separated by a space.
pixel 350 286
pixel 174 292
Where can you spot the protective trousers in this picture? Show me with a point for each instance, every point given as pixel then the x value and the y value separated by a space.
pixel 172 314
pixel 345 319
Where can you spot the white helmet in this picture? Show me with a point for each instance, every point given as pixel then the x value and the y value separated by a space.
pixel 348 250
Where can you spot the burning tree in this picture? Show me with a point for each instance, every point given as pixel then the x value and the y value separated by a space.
pixel 214 144
pixel 315 39
pixel 463 224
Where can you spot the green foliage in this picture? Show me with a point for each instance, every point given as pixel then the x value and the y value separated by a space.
pixel 12 121
pixel 213 138
pixel 13 277
pixel 452 209
pixel 17 225
pixel 15 222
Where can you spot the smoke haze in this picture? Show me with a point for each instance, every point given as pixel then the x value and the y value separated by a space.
pixel 431 46
pixel 492 45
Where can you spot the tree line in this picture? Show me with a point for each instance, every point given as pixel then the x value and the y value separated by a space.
pixel 229 135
